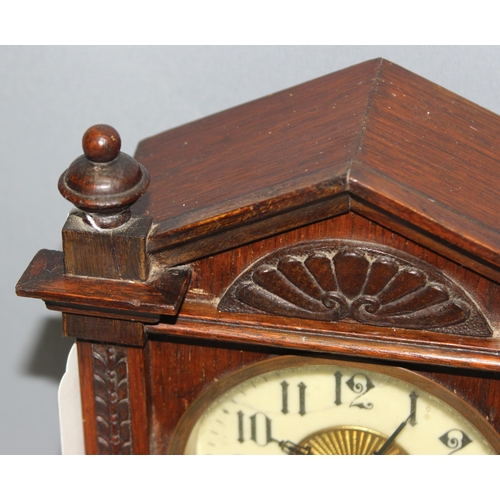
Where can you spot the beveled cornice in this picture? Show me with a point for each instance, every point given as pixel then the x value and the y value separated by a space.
pixel 373 138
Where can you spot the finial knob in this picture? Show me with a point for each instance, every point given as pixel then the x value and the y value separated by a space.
pixel 101 143
pixel 104 183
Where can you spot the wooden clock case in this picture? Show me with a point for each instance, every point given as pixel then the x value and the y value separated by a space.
pixel 354 216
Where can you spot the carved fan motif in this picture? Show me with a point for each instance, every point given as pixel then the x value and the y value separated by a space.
pixel 349 280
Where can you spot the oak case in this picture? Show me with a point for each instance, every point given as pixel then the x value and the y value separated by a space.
pixel 351 217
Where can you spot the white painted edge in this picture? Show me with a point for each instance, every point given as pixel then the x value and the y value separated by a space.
pixel 70 408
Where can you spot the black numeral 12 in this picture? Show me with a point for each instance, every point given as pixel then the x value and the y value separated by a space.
pixel 359 384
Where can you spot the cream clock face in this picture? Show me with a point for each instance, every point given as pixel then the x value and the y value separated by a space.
pixel 308 406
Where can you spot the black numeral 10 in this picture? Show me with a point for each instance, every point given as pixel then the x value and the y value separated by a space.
pixel 260 428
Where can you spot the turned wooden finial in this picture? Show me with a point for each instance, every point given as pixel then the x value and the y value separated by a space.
pixel 104 183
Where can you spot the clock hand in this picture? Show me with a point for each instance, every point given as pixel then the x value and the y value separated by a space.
pixel 393 436
pixel 291 448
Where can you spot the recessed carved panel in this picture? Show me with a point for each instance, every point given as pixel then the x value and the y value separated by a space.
pixel 112 400
pixel 337 280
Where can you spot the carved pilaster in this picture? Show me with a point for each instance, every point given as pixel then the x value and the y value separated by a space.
pixel 112 402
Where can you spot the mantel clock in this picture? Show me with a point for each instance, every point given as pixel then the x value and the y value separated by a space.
pixel 314 272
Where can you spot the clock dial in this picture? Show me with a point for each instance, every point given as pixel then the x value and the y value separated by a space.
pixel 294 405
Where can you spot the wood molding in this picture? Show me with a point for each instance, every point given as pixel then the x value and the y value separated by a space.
pixel 45 278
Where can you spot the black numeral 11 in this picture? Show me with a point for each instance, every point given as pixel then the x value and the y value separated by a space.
pixel 302 397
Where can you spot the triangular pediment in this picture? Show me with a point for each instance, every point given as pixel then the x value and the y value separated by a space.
pixel 374 138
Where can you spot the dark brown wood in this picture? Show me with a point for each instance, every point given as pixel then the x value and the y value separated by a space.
pixel 376 131
pixel 441 148
pixel 204 363
pixel 195 247
pixel 110 330
pixel 477 388
pixel 45 279
pixel 101 143
pixel 333 280
pixel 112 401
pixel 86 367
pixel 231 264
pixel 340 338
pixel 122 252
pixel 103 182
pixel 351 217
pixel 179 371
pixel 266 138
pixel 445 237
pixel 139 400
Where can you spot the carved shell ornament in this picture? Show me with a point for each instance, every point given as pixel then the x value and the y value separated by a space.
pixel 334 280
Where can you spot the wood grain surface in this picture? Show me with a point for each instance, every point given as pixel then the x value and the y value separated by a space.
pixel 162 304
pixel 394 142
